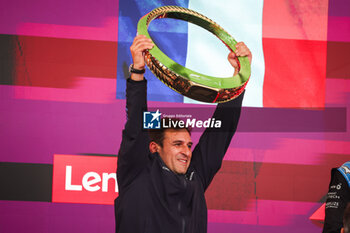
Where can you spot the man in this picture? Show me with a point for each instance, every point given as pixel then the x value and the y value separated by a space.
pixel 337 198
pixel 161 181
pixel 346 220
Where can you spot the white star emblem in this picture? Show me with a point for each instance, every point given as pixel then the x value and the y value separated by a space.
pixel 346 169
pixel 155 115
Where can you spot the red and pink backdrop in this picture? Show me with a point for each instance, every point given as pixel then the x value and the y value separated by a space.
pixel 63 66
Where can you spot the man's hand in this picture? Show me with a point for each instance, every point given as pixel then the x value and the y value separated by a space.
pixel 140 44
pixel 241 51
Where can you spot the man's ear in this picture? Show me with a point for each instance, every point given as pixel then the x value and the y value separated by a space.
pixel 153 147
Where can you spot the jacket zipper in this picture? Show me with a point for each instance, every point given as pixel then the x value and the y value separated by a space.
pixel 183 221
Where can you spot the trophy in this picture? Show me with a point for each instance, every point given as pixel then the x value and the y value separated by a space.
pixel 185 81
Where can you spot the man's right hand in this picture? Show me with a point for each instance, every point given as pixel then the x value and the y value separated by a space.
pixel 241 51
pixel 140 44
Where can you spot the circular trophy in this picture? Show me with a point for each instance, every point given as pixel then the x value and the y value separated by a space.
pixel 183 80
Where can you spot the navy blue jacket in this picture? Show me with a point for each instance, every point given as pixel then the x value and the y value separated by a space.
pixel 152 198
pixel 338 197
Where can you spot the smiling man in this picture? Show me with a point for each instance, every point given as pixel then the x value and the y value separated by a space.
pixel 173 146
pixel 161 180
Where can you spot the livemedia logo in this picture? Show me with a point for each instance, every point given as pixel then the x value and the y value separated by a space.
pixel 84 179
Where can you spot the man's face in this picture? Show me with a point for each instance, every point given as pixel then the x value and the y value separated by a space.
pixel 176 151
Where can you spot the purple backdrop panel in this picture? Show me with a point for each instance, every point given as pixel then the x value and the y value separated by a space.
pixel 45 128
pixel 339 29
pixel 242 228
pixel 46 14
pixel 43 217
pixel 339 8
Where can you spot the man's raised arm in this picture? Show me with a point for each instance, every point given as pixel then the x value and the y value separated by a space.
pixel 134 146
pixel 208 155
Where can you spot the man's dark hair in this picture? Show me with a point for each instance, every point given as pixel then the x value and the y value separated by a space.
pixel 346 219
pixel 157 135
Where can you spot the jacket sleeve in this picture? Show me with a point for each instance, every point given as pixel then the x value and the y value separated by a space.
pixel 208 154
pixel 133 152
pixel 337 198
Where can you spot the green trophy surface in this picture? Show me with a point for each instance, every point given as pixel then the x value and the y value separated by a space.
pixel 187 82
